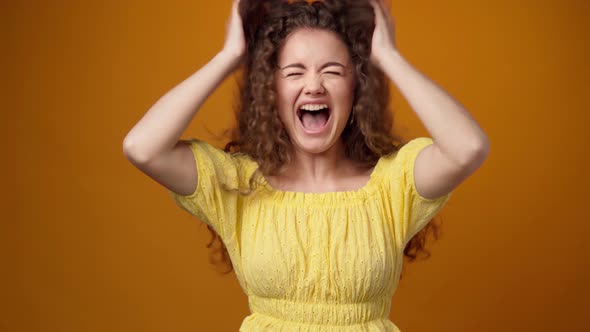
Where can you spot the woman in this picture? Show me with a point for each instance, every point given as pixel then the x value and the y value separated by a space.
pixel 317 203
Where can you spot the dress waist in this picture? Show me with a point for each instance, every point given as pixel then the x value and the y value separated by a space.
pixel 320 313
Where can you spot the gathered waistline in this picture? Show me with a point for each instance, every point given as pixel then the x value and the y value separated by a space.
pixel 320 313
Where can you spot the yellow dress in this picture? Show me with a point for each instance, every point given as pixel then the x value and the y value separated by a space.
pixel 313 261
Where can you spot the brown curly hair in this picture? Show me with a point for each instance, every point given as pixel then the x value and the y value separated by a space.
pixel 260 132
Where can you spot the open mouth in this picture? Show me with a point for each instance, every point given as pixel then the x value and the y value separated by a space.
pixel 314 117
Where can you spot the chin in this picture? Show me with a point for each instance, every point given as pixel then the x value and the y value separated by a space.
pixel 317 145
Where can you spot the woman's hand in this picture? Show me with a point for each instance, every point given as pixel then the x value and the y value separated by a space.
pixel 383 42
pixel 235 42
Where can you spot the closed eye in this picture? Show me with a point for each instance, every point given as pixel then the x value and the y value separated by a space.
pixel 333 73
pixel 293 74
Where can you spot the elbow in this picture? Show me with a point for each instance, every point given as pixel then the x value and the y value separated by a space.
pixel 132 153
pixel 479 154
pixel 483 149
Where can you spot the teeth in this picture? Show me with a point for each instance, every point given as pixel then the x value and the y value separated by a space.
pixel 313 107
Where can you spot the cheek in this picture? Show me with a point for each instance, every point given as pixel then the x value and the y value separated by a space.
pixel 286 97
pixel 284 106
pixel 283 116
pixel 342 92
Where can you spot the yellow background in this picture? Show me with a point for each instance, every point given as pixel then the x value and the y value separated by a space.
pixel 89 243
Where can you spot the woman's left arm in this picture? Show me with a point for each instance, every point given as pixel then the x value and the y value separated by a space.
pixel 460 145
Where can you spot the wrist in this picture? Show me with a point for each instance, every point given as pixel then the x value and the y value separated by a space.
pixel 231 57
pixel 390 61
pixel 383 57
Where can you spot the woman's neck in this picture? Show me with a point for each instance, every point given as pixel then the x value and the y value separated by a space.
pixel 318 167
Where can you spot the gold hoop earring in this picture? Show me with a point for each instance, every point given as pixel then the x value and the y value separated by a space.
pixel 351 117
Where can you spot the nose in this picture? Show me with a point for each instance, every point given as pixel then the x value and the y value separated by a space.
pixel 314 85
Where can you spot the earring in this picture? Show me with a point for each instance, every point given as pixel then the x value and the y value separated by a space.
pixel 351 117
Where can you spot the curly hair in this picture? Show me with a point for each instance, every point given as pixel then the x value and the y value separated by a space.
pixel 260 132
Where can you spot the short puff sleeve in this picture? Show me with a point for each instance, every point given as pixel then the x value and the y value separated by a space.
pixel 211 202
pixel 416 211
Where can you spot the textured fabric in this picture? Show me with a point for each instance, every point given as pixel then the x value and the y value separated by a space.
pixel 313 261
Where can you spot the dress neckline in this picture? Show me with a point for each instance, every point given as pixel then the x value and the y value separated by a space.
pixel 325 197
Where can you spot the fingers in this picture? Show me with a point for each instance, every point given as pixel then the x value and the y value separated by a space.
pixel 236 5
pixel 382 11
pixel 379 19
pixel 377 4
pixel 382 6
pixel 377 7
pixel 235 9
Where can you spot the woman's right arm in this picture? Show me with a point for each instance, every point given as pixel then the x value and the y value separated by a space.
pixel 153 144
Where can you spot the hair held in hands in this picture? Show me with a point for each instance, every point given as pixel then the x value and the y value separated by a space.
pixel 260 132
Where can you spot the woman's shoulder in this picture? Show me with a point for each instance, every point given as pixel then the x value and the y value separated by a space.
pixel 406 149
pixel 224 163
pixel 397 161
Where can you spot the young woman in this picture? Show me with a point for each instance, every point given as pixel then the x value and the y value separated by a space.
pixel 317 203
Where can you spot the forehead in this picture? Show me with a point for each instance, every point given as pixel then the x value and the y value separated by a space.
pixel 313 47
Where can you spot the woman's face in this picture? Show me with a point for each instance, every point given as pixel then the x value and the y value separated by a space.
pixel 315 88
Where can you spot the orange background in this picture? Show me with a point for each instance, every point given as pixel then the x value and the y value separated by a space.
pixel 89 243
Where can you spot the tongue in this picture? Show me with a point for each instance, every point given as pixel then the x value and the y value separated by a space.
pixel 315 120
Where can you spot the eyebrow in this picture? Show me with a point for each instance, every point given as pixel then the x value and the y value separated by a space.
pixel 327 64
